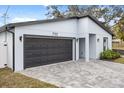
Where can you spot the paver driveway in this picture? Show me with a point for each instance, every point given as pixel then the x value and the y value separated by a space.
pixel 80 74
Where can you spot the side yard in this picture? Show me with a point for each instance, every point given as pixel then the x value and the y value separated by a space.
pixel 113 56
pixel 8 79
pixel 119 60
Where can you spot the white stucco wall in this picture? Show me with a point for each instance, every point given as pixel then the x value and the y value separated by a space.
pixel 94 28
pixel 82 27
pixel 88 26
pixel 92 46
pixel 70 28
pixel 82 48
pixel 2 37
pixel 3 50
pixel 6 52
pixel 63 28
pixel 73 49
pixel 10 50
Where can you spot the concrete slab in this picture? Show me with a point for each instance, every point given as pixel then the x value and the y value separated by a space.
pixel 80 74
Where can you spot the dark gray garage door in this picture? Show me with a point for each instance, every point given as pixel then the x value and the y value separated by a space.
pixel 42 51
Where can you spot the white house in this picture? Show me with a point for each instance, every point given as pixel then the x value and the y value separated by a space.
pixel 35 43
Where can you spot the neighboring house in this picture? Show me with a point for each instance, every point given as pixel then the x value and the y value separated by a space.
pixel 35 43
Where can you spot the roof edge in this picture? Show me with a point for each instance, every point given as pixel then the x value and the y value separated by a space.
pixel 12 25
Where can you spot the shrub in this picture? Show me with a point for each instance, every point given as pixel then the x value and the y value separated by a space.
pixel 109 54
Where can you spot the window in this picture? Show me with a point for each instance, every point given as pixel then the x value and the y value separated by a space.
pixel 105 43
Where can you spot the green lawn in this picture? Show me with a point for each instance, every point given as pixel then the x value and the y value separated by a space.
pixel 8 79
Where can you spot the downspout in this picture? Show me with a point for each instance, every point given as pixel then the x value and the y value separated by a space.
pixel 13 51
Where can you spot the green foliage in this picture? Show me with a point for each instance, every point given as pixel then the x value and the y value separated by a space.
pixel 106 13
pixel 118 29
pixel 54 12
pixel 109 54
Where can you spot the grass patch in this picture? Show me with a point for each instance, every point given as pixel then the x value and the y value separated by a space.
pixel 8 79
pixel 119 60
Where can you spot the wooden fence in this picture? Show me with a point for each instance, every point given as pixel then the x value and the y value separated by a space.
pixel 120 51
pixel 118 45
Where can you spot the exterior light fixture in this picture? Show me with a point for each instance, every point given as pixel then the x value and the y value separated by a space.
pixel 98 40
pixel 20 38
pixel 5 43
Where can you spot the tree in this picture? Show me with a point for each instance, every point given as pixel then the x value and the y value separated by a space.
pixel 103 13
pixel 118 29
pixel 54 12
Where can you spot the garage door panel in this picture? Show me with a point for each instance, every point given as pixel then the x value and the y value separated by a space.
pixel 42 51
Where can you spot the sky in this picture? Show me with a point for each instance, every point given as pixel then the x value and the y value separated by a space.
pixel 20 13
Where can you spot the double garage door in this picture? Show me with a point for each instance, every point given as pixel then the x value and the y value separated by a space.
pixel 43 51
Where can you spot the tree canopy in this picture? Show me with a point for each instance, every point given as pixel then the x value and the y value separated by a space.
pixel 105 14
pixel 118 29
